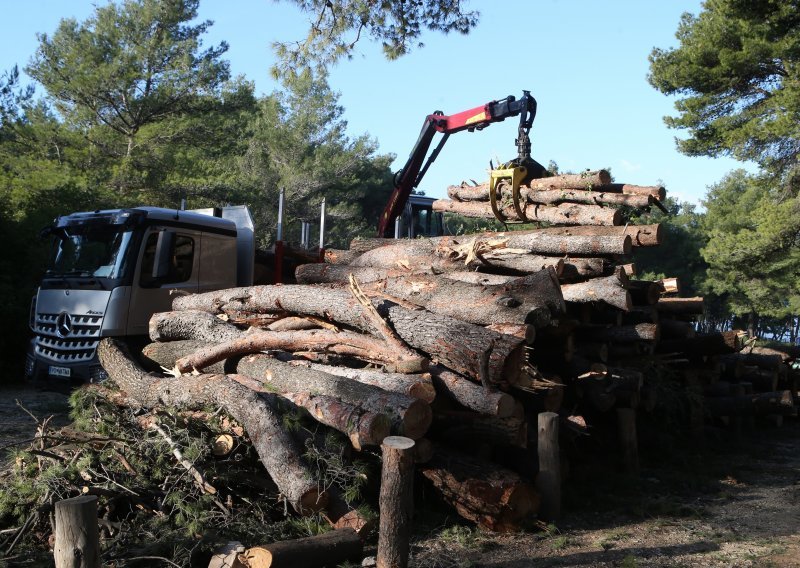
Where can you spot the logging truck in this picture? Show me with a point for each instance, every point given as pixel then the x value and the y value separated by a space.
pixel 111 270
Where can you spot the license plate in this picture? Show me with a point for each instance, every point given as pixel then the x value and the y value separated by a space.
pixel 59 371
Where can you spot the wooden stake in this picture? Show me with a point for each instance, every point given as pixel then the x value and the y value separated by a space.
pixel 395 502
pixel 77 539
pixel 626 423
pixel 548 482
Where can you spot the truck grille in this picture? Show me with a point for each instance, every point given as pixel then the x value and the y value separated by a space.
pixel 76 346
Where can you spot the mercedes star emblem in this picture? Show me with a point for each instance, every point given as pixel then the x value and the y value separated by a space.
pixel 63 324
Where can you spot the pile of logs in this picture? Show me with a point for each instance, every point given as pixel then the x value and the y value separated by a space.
pixel 457 343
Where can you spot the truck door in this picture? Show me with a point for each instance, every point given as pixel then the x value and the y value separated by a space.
pixel 168 265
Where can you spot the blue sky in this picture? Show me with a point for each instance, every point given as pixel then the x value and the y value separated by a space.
pixel 584 61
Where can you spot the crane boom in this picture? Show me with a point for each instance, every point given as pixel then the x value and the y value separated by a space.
pixel 478 118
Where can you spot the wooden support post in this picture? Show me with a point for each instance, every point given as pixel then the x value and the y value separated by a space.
pixel 548 482
pixel 395 502
pixel 626 424
pixel 77 539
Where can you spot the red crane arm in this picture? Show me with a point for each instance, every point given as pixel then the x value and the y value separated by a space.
pixel 478 118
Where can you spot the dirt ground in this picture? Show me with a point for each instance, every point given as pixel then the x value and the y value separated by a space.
pixel 735 503
pixel 730 504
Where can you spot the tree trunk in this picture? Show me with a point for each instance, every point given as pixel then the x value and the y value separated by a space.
pixel 320 273
pixel 453 343
pixel 495 498
pixel 533 299
pixel 554 196
pixel 472 396
pixel 576 268
pixel 584 180
pixel 703 345
pixel 681 306
pixel 641 235
pixel 326 549
pixel 548 481
pixel 77 539
pixel 607 289
pixel 395 502
pixel 644 292
pixel 519 330
pixel 357 345
pixel 564 214
pixel 418 386
pixel 655 191
pixel 255 413
pixel 335 256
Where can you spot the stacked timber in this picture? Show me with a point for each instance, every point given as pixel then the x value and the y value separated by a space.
pixel 457 344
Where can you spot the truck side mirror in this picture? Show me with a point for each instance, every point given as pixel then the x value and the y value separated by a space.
pixel 163 258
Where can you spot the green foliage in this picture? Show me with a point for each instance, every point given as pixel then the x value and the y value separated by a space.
pixel 684 237
pixel 736 73
pixel 339 24
pixel 752 249
pixel 297 141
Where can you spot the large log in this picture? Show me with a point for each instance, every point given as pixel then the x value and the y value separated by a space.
pixel 704 345
pixel 533 299
pixel 320 273
pixel 608 289
pixel 577 268
pixel 583 180
pixel 495 498
pixel 472 396
pixel 419 386
pixel 256 413
pixel 681 306
pixel 361 426
pixel 641 235
pixel 334 256
pixel 555 196
pixel 656 191
pixel 564 214
pixel 358 345
pixel 327 549
pixel 453 343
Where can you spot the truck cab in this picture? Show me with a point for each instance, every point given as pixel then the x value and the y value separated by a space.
pixel 418 219
pixel 110 270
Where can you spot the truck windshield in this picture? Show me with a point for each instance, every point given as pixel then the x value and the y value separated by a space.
pixel 90 250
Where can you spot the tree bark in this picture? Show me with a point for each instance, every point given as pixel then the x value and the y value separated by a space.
pixel 583 180
pixel 335 256
pixel 471 395
pixel 564 214
pixel 548 481
pixel 533 299
pixel 520 330
pixel 77 538
pixel 255 413
pixel 419 386
pixel 395 502
pixel 576 268
pixel 555 196
pixel 495 498
pixel 681 306
pixel 641 235
pixel 644 292
pixel 453 343
pixel 357 345
pixel 606 289
pixel 657 192
pixel 326 549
